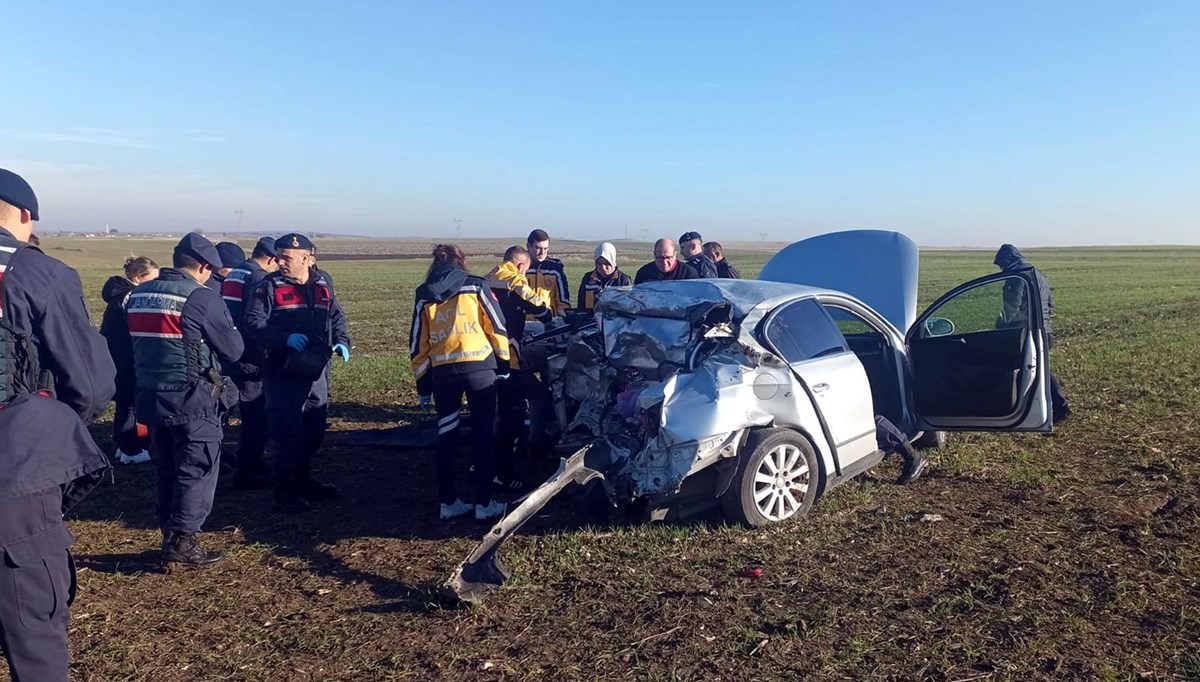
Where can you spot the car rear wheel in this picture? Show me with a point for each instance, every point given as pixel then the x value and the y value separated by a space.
pixel 777 479
pixel 931 440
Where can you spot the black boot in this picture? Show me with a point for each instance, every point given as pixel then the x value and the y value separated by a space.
pixel 287 499
pixel 182 548
pixel 914 466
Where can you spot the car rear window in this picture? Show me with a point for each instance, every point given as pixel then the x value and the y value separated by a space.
pixel 802 330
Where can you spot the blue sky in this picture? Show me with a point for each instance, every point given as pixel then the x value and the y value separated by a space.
pixel 959 123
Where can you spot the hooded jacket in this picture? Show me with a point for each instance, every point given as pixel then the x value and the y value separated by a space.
pixel 115 330
pixel 516 300
pixel 457 327
pixel 1009 259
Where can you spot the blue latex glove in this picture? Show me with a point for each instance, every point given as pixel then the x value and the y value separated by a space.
pixel 424 400
pixel 343 351
pixel 297 342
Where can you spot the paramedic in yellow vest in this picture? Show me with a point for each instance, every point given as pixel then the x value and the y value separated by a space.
pixel 546 275
pixel 603 276
pixel 517 299
pixel 459 345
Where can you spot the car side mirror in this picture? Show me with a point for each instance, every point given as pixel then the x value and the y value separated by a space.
pixel 938 326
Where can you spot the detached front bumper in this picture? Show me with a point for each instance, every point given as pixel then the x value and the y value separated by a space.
pixel 482 573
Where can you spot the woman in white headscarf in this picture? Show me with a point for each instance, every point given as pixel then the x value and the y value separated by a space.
pixel 603 276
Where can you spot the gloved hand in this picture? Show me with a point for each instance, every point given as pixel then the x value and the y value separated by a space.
pixel 424 400
pixel 297 342
pixel 502 374
pixel 342 350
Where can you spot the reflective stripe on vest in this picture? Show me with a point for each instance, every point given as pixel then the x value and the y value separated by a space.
pixel 163 361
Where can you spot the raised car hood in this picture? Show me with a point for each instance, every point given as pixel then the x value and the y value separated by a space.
pixel 875 266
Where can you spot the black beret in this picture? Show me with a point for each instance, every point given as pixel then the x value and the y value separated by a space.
pixel 294 241
pixel 15 191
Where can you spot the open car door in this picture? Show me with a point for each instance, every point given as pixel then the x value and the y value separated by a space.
pixel 979 359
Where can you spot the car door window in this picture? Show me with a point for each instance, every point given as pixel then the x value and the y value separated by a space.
pixel 847 322
pixel 802 331
pixel 999 304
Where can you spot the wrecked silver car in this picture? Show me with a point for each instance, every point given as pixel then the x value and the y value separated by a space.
pixel 761 396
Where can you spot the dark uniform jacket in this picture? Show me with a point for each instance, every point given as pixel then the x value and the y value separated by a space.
pixel 457 328
pixel 725 270
pixel 115 331
pixel 179 346
pixel 215 282
pixel 1015 310
pixel 280 307
pixel 592 284
pixel 45 447
pixel 237 290
pixel 650 273
pixel 704 265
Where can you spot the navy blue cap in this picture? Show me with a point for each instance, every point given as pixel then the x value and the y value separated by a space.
pixel 197 246
pixel 231 254
pixel 267 244
pixel 689 236
pixel 15 191
pixel 294 241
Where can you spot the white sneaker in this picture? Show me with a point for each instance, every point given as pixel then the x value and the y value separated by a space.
pixel 492 511
pixel 453 511
pixel 140 458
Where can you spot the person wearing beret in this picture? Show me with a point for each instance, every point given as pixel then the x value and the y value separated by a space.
pixel 250 470
pixel 182 335
pixel 296 319
pixel 55 377
pixel 231 256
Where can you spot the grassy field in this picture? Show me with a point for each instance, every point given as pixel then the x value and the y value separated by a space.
pixel 1064 557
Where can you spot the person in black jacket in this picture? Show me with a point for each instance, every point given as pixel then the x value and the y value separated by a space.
pixel 295 318
pixel 1015 310
pixel 666 265
pixel 182 335
pixel 55 377
pixel 725 269
pixel 691 249
pixel 251 472
pixel 131 448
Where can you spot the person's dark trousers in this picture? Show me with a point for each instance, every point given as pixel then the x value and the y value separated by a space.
pixel 480 389
pixel 125 430
pixel 37 585
pixel 296 421
pixel 188 458
pixel 252 441
pixel 512 434
pixel 1058 399
pixel 892 440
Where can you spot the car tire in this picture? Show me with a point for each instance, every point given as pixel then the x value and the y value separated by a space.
pixel 777 479
pixel 931 440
